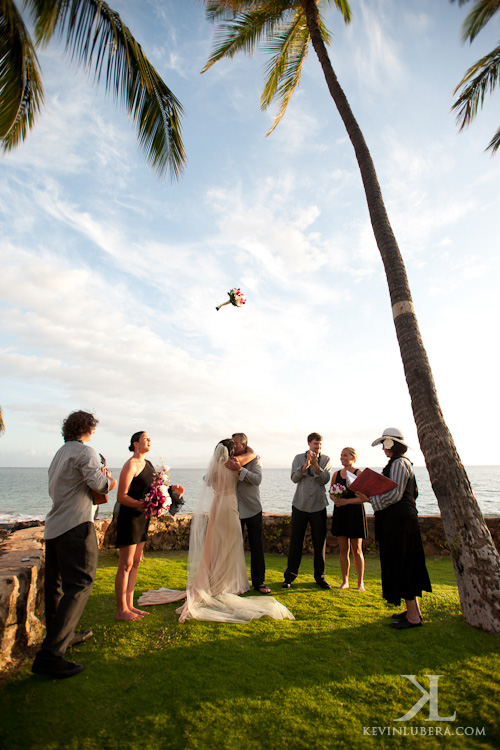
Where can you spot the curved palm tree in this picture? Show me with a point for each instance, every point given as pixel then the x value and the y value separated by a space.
pixel 286 27
pixel 484 75
pixel 96 37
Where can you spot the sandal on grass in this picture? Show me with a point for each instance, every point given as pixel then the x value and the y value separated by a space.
pixel 263 589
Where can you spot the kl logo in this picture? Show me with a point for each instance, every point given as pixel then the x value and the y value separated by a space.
pixel 428 696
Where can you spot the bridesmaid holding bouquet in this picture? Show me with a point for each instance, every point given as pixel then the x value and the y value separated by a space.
pixel 132 524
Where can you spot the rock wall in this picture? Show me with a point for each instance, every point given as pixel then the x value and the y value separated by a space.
pixel 173 534
pixel 21 591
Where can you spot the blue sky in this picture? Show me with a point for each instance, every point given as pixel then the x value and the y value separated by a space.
pixel 110 277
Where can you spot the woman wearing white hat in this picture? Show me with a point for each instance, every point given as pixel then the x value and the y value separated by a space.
pixel 402 560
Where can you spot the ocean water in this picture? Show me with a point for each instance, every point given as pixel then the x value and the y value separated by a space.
pixel 24 496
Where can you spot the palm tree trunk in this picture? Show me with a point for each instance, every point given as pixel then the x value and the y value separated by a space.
pixel 475 559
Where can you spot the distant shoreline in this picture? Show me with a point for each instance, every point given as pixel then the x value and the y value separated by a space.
pixel 288 466
pixel 24 491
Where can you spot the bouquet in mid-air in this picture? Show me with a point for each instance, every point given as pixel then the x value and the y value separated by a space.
pixel 236 298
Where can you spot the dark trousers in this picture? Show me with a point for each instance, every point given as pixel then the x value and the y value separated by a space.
pixel 317 521
pixel 256 543
pixel 70 566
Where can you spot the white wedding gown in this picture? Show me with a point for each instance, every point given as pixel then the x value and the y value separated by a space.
pixel 217 573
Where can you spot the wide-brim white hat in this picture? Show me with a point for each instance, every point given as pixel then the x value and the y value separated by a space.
pixel 391 433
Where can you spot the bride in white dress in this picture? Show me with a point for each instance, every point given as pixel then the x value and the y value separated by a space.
pixel 217 573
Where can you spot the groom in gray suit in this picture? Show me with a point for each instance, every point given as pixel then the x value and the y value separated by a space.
pixel 250 510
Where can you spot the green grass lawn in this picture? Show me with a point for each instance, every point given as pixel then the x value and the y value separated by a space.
pixel 316 683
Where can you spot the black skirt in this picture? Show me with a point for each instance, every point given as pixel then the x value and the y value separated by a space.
pixel 402 559
pixel 349 521
pixel 131 526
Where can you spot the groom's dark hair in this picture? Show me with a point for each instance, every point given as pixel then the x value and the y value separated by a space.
pixel 241 435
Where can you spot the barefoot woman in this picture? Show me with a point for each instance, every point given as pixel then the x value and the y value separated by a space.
pixel 349 524
pixel 132 524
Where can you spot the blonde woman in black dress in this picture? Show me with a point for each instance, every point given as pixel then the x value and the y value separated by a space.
pixel 349 524
pixel 132 524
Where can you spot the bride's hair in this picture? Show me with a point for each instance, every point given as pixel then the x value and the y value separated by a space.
pixel 229 444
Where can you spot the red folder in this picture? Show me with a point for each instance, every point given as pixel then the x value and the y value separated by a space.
pixel 369 483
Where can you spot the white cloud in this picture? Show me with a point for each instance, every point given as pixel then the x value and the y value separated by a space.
pixel 376 58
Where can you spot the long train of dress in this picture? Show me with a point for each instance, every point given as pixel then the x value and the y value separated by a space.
pixel 217 574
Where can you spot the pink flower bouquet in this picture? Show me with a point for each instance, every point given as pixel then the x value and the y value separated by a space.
pixel 157 502
pixel 338 490
pixel 236 298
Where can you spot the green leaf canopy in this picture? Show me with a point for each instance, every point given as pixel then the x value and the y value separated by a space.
pixel 95 37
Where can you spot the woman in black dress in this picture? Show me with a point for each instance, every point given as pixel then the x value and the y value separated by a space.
pixel 402 560
pixel 349 524
pixel 132 524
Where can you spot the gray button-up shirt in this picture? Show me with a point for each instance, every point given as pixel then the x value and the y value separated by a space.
pixel 74 470
pixel 310 495
pixel 247 489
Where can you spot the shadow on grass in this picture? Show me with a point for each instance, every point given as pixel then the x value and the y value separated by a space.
pixel 312 683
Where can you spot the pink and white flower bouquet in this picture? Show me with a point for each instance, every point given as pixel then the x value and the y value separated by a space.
pixel 338 490
pixel 236 298
pixel 157 502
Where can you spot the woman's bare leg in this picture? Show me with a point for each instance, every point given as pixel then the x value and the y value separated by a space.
pixel 132 579
pixel 125 563
pixel 359 561
pixel 344 561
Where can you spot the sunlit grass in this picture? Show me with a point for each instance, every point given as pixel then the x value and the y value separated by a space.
pixel 314 683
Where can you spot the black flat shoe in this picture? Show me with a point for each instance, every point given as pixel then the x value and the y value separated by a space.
pixel 286 585
pixel 58 668
pixel 80 637
pixel 405 624
pixel 403 616
pixel 323 584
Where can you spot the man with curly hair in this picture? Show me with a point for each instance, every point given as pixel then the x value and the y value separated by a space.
pixel 71 550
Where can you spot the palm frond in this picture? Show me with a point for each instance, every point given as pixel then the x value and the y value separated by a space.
pixel 228 9
pixel 288 49
pixel 344 8
pixel 282 27
pixel 242 33
pixel 480 79
pixel 21 90
pixel 494 144
pixel 479 15
pixel 96 38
